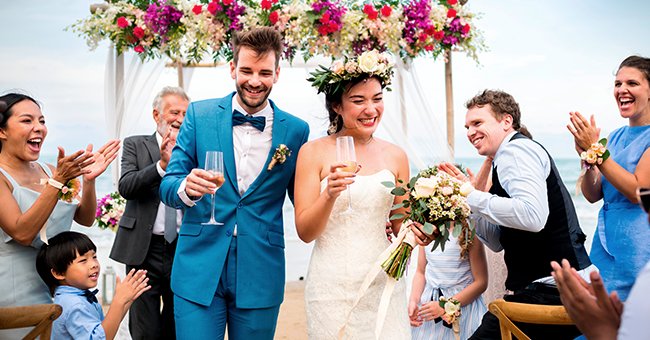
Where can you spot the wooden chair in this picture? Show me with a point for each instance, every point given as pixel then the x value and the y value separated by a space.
pixel 38 316
pixel 507 312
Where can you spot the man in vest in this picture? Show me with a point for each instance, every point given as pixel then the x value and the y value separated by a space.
pixel 527 213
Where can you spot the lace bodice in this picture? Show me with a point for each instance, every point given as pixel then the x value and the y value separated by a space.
pixel 343 255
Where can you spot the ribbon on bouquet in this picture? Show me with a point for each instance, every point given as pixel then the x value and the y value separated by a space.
pixel 388 288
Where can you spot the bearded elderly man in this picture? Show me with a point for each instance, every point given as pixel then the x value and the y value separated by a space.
pixel 527 213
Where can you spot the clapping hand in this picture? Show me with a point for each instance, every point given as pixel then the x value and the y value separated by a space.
pixel 72 166
pixel 101 159
pixel 584 132
pixel 168 142
pixel 134 284
pixel 594 312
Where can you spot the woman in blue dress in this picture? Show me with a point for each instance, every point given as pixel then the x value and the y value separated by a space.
pixel 30 191
pixel 620 246
pixel 459 272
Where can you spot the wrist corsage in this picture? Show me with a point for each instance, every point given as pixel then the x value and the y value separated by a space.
pixel 452 313
pixel 280 156
pixel 595 155
pixel 68 191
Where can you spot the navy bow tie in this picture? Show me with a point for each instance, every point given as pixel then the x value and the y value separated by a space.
pixel 90 295
pixel 258 122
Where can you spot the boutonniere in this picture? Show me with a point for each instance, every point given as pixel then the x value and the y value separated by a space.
pixel 279 156
pixel 68 191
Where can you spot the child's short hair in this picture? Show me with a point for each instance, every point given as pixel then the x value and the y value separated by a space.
pixel 59 254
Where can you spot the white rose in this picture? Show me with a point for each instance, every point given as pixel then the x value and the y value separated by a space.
pixel 466 189
pixel 369 61
pixel 425 187
pixel 447 190
pixel 451 308
pixel 105 219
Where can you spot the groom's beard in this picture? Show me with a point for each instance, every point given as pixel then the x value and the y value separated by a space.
pixel 251 103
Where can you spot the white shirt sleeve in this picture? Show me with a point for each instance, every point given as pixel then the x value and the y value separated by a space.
pixel 634 321
pixel 183 195
pixel 161 172
pixel 522 167
pixel 488 233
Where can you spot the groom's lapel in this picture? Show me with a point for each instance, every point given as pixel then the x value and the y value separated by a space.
pixel 224 136
pixel 278 136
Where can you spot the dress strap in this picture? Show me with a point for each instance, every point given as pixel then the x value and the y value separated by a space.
pixel 11 179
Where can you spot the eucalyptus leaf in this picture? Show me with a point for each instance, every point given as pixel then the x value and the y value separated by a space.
pixel 388 184
pixel 427 228
pixel 396 217
pixel 397 206
pixel 456 231
pixel 398 191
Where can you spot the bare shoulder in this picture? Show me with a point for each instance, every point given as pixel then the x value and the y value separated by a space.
pixel 313 147
pixel 393 151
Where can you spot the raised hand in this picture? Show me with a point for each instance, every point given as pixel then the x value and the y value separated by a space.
pixel 198 183
pixel 168 142
pixel 338 180
pixel 584 132
pixel 453 171
pixel 72 166
pixel 101 159
pixel 134 284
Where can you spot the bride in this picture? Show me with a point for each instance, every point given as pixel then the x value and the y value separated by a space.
pixel 349 242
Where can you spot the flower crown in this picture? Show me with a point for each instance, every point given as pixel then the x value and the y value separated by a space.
pixel 333 80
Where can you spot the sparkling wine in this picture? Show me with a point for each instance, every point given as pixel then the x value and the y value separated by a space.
pixel 217 178
pixel 350 166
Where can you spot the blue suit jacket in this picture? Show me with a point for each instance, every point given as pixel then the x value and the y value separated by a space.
pixel 201 250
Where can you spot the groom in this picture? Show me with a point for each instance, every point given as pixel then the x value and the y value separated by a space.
pixel 234 273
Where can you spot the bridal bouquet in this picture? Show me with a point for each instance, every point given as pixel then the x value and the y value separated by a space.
pixel 435 200
pixel 109 211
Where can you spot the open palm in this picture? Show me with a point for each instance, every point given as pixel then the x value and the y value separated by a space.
pixel 102 158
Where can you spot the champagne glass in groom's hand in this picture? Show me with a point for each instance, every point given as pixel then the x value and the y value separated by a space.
pixel 214 166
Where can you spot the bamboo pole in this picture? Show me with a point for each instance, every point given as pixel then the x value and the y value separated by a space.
pixel 449 94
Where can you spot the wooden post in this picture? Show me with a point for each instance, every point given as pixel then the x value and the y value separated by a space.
pixel 449 94
pixel 179 68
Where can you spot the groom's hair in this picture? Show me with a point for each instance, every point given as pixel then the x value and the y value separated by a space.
pixel 262 40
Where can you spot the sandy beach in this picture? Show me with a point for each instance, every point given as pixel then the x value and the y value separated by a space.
pixel 292 321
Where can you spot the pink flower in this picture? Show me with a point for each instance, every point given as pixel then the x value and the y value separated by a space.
pixel 122 22
pixel 139 49
pixel 273 17
pixel 452 2
pixel 138 32
pixel 197 9
pixel 266 4
pixel 386 10
pixel 212 7
pixel 64 190
pixel 451 13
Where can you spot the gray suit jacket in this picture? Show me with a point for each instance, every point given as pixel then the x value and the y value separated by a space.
pixel 139 184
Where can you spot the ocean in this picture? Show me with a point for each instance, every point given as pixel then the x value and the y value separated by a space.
pixel 298 253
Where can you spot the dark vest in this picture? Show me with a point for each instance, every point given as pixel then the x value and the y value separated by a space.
pixel 528 254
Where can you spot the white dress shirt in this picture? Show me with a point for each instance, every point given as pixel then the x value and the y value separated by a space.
pixel 634 321
pixel 522 167
pixel 251 150
pixel 159 223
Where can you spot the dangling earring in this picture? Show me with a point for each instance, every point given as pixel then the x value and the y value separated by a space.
pixel 332 129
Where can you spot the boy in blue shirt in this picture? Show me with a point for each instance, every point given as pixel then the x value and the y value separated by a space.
pixel 69 267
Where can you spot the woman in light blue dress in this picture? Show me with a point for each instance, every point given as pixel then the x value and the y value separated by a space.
pixel 448 274
pixel 620 247
pixel 32 212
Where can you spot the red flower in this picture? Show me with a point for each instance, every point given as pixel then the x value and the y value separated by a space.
pixel 227 2
pixel 322 30
pixel 451 13
pixel 423 36
pixel 197 9
pixel 138 32
pixel 465 28
pixel 370 11
pixel 386 10
pixel 273 17
pixel 122 22
pixel 428 47
pixel 212 7
pixel 266 4
pixel 139 49
pixel 438 35
pixel 452 2
pixel 325 18
pixel 430 30
pixel 332 27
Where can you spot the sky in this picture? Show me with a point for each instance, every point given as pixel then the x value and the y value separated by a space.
pixel 552 56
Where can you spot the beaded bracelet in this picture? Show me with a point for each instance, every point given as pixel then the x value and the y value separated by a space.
pixel 595 155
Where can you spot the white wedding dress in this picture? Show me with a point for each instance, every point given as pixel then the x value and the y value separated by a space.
pixel 342 256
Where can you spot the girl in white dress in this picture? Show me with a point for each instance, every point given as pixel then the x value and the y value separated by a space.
pixel 348 244
pixel 458 272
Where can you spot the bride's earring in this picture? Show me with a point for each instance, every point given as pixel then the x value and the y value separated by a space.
pixel 333 126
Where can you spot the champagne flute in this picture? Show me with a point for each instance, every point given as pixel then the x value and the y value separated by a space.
pixel 214 165
pixel 345 154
